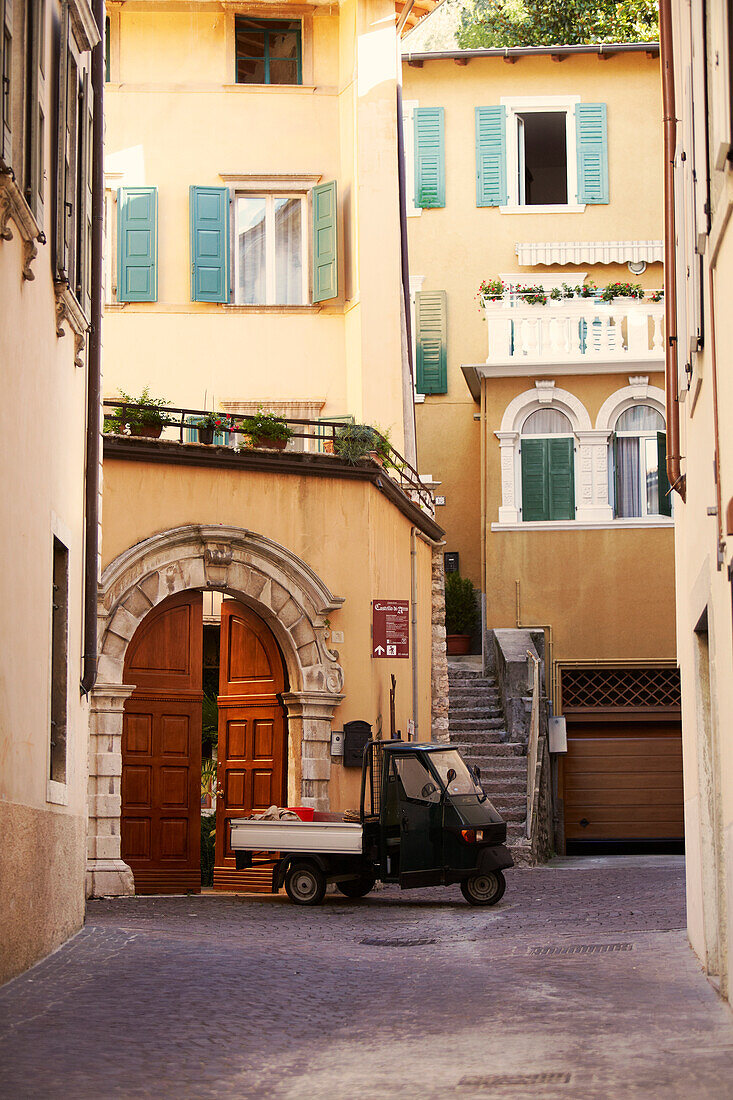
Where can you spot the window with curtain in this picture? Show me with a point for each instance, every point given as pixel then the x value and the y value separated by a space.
pixel 270 250
pixel 639 468
pixel 547 454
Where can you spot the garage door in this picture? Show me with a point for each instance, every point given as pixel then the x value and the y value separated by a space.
pixel 623 781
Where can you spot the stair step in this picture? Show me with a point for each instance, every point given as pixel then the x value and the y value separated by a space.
pixel 504 748
pixel 487 710
pixel 499 788
pixel 469 740
pixel 475 723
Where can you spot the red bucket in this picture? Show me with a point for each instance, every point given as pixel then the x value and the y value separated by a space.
pixel 305 813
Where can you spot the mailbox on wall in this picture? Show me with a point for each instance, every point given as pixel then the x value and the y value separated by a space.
pixel 356 735
pixel 451 561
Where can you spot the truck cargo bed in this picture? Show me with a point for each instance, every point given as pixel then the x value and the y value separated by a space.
pixel 337 837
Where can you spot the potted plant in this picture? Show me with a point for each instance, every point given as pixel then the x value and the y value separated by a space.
pixel 207 426
pixel 356 441
pixel 266 430
pixel 143 415
pixel 461 614
pixel 621 290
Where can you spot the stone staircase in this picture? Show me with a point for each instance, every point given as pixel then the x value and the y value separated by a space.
pixel 477 727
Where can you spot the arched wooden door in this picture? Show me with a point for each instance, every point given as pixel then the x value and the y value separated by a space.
pixel 251 772
pixel 161 749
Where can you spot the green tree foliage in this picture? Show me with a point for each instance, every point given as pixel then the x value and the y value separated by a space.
pixel 494 23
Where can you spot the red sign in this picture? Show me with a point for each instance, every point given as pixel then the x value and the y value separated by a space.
pixel 390 628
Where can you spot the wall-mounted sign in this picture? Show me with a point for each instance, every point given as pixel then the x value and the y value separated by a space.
pixel 390 628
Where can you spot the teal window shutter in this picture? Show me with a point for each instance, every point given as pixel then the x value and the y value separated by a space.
pixel 491 185
pixel 137 244
pixel 665 492
pixel 591 135
pixel 429 126
pixel 534 479
pixel 431 341
pixel 209 213
pixel 561 478
pixel 325 242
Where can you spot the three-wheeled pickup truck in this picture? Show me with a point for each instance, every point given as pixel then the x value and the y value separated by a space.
pixel 424 821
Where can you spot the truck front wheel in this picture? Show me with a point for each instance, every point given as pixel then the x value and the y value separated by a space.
pixel 305 884
pixel 484 889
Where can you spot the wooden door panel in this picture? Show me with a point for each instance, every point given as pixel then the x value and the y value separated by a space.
pixel 252 755
pixel 161 750
pixel 623 781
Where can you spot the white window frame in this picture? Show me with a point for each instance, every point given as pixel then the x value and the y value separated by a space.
pixel 652 404
pixel 408 137
pixel 522 105
pixel 270 257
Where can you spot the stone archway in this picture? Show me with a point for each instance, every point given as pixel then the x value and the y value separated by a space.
pixel 283 591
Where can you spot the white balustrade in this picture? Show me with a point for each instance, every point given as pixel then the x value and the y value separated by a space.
pixel 574 330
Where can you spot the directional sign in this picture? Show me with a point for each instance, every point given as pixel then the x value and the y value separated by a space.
pixel 390 628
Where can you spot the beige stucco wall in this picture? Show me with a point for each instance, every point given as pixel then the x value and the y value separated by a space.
pixel 346 531
pixel 171 125
pixel 42 426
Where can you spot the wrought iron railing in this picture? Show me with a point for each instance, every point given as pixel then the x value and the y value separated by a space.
pixel 313 436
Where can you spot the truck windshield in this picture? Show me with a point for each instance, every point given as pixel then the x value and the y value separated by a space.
pixel 464 783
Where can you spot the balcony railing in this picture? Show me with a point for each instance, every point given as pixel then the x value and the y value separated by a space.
pixel 309 436
pixel 574 331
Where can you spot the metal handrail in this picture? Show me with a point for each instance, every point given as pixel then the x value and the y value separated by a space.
pixel 534 740
pixel 178 420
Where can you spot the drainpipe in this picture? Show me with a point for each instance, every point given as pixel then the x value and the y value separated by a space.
pixel 677 479
pixel 94 364
pixel 409 412
pixel 413 614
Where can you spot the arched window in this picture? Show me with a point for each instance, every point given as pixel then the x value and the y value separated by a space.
pixel 548 466
pixel 640 464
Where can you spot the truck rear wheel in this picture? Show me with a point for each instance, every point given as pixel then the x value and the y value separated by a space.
pixel 357 887
pixel 484 889
pixel 305 883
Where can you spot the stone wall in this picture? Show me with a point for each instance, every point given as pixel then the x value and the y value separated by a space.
pixel 439 660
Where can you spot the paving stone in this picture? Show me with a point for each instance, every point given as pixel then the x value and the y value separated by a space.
pixel 413 995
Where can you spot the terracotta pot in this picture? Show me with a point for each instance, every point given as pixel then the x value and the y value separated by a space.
pixel 376 457
pixel 206 435
pixel 269 444
pixel 146 431
pixel 457 645
pixel 328 447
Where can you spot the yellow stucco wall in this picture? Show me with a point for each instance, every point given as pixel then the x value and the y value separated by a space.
pixel 171 124
pixel 608 594
pixel 346 531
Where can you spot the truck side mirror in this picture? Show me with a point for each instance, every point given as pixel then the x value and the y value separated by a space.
pixel 450 777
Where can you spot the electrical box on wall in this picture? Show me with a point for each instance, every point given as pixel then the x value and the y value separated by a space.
pixel 558 735
pixel 337 742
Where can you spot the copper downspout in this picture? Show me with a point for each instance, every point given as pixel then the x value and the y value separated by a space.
pixel 677 479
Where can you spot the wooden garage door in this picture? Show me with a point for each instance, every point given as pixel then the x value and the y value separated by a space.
pixel 161 749
pixel 623 781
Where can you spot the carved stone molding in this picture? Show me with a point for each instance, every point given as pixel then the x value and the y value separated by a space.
pixel 14 207
pixel 69 310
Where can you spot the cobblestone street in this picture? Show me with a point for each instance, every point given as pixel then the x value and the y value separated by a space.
pixel 580 984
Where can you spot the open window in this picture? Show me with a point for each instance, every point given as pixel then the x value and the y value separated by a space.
pixel 640 480
pixel 542 158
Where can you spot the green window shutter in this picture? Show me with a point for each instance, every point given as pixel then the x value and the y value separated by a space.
pixel 616 476
pixel 591 133
pixel 665 494
pixel 561 478
pixel 137 244
pixel 431 340
pixel 491 186
pixel 36 107
pixel 535 504
pixel 325 242
pixel 209 215
pixel 429 156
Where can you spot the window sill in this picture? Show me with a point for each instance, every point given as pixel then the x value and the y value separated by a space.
pixel 204 307
pixel 57 793
pixel 569 208
pixel 586 525
pixel 13 205
pixel 282 89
